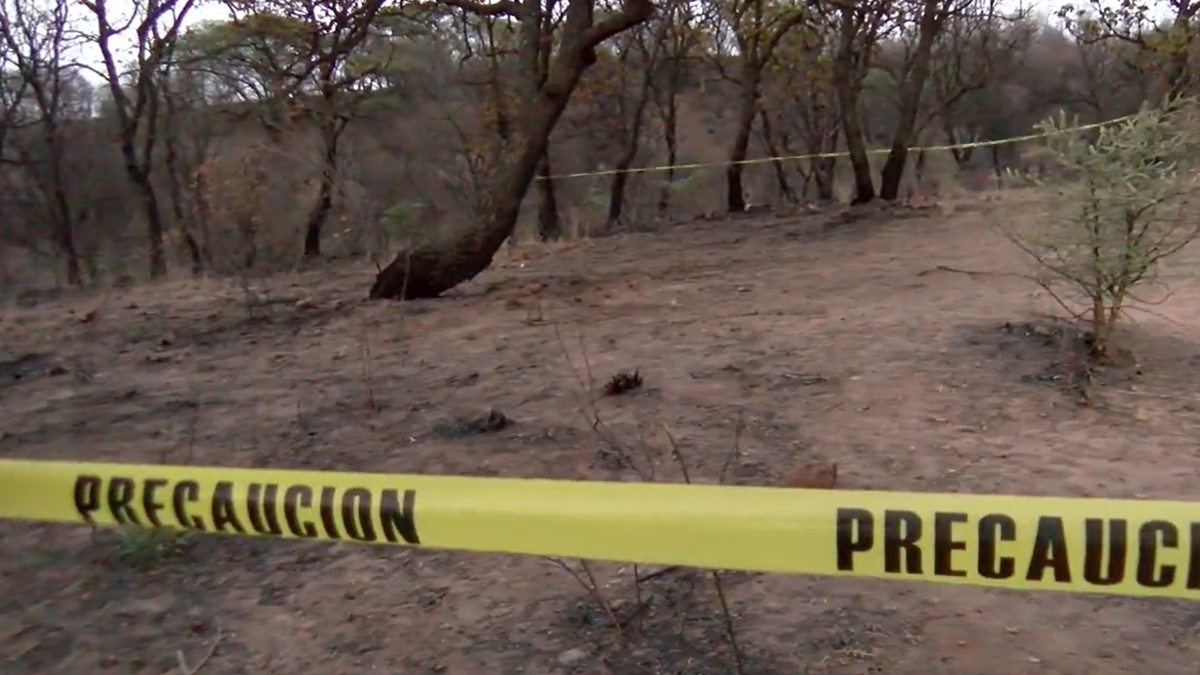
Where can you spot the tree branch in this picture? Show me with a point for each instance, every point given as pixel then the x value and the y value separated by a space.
pixel 486 9
pixel 633 12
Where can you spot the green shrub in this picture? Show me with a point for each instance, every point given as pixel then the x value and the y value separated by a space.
pixel 1116 206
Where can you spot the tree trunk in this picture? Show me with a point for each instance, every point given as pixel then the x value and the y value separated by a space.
pixel 735 194
pixel 154 229
pixel 785 188
pixel 65 239
pixel 856 147
pixel 331 134
pixel 154 222
pixel 847 84
pixel 633 138
pixel 140 177
pixel 549 225
pixel 175 192
pixel 172 160
pixel 910 101
pixel 670 123
pixel 428 270
pixel 962 154
pixel 64 234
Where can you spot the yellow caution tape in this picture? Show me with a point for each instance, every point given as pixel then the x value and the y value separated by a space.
pixel 828 155
pixel 1141 548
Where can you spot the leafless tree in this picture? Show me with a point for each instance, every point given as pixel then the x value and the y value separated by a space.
pixel 860 27
pixel 756 29
pixel 35 37
pixel 155 26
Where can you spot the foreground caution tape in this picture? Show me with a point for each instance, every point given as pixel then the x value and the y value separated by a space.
pixel 1144 548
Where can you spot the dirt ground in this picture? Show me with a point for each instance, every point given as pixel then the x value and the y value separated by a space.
pixel 861 342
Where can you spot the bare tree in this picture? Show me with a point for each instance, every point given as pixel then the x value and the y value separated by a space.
pixel 975 57
pixel 860 26
pixel 756 30
pixel 185 150
pixel 925 19
pixel 155 25
pixel 802 98
pixel 517 54
pixel 317 73
pixel 679 44
pixel 428 269
pixel 35 41
pixel 637 60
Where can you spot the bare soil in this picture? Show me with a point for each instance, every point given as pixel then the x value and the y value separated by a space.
pixel 862 342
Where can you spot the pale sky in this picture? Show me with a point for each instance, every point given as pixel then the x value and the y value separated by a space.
pixel 124 44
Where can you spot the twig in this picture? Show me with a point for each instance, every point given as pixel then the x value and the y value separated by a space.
pixel 593 590
pixel 212 649
pixel 730 630
pixel 586 401
pixel 683 467
pixel 365 354
pixel 736 451
pixel 594 417
pixel 642 605
pixel 970 273
pixel 651 576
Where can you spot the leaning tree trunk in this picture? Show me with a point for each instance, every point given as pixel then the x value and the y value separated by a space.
pixel 428 269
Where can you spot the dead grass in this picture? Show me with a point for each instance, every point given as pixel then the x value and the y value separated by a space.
pixel 799 336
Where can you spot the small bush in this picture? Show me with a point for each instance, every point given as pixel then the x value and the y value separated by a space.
pixel 1117 207
pixel 148 548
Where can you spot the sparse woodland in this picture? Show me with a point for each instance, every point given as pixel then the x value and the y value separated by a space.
pixel 422 136
pixel 199 197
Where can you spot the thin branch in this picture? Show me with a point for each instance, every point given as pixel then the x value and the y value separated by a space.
pixel 593 590
pixel 183 666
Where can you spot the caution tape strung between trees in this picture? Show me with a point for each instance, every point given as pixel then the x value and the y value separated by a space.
pixel 1141 548
pixel 827 155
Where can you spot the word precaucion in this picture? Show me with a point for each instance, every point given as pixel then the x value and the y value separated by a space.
pixel 995 550
pixel 272 509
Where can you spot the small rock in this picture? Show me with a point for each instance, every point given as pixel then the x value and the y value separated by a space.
pixel 305 303
pixel 571 657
